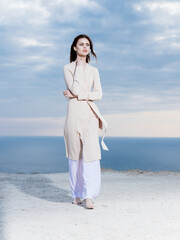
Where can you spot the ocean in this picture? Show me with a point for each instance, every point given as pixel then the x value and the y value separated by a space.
pixel 47 154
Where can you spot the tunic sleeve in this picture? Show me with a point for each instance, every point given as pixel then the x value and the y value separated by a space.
pixel 96 94
pixel 74 83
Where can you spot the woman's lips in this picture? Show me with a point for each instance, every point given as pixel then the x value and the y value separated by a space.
pixel 84 50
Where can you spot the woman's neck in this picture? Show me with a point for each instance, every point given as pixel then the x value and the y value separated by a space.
pixel 82 58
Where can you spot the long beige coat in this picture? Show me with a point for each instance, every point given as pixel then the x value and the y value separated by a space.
pixel 83 119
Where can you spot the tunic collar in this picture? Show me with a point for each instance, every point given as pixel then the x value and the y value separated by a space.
pixel 71 66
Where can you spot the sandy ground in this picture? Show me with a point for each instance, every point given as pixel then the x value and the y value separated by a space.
pixel 131 205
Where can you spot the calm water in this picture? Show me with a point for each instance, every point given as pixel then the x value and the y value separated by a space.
pixel 47 154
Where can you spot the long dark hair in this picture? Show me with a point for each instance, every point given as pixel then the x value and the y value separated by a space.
pixel 73 54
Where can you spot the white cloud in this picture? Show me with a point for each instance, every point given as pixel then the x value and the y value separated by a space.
pixel 38 58
pixel 139 99
pixel 162 13
pixel 42 11
pixel 176 45
pixel 167 40
pixel 168 7
pixel 21 12
pixel 163 18
pixel 165 36
pixel 129 58
pixel 30 42
pixel 33 62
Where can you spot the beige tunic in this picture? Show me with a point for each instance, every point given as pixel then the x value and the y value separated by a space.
pixel 83 119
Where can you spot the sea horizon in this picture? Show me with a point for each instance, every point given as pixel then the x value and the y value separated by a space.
pixel 46 154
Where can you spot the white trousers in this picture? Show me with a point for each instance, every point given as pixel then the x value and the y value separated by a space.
pixel 85 178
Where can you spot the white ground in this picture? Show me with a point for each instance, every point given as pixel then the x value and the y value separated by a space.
pixel 131 205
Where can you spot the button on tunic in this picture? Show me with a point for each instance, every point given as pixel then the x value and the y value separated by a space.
pixel 83 119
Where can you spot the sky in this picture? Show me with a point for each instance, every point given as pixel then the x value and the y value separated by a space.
pixel 137 44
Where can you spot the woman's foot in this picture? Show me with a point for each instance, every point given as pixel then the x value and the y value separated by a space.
pixel 89 203
pixel 77 201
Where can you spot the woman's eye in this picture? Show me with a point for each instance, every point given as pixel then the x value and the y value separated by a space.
pixel 82 44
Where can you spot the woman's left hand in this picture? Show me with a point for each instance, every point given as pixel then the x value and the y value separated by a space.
pixel 68 94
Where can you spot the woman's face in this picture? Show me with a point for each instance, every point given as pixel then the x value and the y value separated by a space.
pixel 82 47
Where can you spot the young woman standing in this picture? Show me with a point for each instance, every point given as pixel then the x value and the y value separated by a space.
pixel 83 121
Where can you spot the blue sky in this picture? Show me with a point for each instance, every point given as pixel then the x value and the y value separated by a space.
pixel 138 48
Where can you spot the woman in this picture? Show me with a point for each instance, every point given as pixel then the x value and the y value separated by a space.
pixel 83 120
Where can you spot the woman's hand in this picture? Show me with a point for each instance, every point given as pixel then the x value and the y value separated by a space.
pixel 68 94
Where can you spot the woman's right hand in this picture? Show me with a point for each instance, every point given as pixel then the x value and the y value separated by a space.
pixel 68 94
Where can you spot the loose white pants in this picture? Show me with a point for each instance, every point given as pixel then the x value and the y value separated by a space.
pixel 85 178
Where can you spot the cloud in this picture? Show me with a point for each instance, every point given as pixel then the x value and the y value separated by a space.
pixel 153 96
pixel 136 124
pixel 168 7
pixel 162 13
pixel 145 124
pixel 30 42
pixel 31 126
pixel 41 12
pixel 166 42
pixel 138 54
pixel 163 19
pixel 23 12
